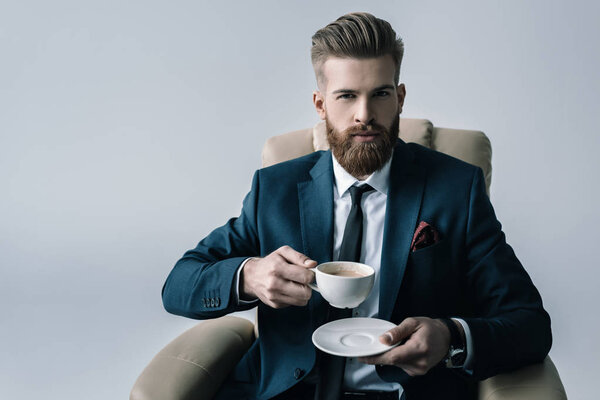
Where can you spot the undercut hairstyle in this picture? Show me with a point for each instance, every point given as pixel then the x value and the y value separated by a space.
pixel 356 35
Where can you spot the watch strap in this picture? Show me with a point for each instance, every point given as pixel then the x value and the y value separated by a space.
pixel 457 352
pixel 456 340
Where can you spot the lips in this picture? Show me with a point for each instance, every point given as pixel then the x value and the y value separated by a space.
pixel 356 131
pixel 365 136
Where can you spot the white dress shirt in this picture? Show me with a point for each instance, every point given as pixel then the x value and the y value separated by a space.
pixel 358 375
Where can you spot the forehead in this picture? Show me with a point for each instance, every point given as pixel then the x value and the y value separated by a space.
pixel 358 74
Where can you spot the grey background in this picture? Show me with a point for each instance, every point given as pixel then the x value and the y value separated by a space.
pixel 129 130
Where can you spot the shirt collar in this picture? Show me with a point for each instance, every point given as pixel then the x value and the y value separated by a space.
pixel 379 180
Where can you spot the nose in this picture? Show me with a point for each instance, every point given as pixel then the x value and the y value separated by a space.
pixel 364 114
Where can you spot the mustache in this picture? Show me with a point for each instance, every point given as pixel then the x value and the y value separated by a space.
pixel 372 129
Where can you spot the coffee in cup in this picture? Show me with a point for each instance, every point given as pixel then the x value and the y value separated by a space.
pixel 351 274
pixel 344 284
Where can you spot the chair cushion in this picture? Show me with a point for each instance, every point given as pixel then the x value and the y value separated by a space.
pixel 473 147
pixel 535 382
pixel 287 146
pixel 194 364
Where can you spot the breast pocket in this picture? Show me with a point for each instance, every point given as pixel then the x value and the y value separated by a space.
pixel 429 252
pixel 431 266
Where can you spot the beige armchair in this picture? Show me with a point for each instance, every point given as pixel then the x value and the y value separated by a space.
pixel 195 364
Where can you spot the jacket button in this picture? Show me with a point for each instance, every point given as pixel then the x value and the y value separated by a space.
pixel 298 373
pixel 217 301
pixel 212 302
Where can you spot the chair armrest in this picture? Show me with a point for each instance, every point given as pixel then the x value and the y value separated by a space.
pixel 195 364
pixel 534 382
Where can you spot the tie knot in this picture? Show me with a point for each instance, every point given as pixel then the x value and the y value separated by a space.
pixel 356 192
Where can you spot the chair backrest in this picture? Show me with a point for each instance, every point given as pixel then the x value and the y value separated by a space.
pixel 473 147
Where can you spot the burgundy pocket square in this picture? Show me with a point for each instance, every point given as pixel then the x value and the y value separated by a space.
pixel 425 236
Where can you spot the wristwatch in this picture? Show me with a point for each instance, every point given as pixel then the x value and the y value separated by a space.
pixel 457 353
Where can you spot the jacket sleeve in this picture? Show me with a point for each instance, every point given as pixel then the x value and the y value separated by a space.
pixel 200 286
pixel 509 325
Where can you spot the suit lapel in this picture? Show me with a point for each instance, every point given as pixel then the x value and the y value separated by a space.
pixel 405 193
pixel 316 210
pixel 315 198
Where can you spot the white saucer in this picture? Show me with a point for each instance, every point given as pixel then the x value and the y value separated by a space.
pixel 352 337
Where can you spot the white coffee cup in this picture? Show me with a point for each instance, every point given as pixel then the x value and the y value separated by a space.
pixel 344 284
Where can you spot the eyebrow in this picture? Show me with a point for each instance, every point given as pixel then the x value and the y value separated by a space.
pixel 351 91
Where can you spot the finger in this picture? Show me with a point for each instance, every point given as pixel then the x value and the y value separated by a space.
pixel 400 332
pixel 277 285
pixel 283 270
pixel 298 301
pixel 372 360
pixel 386 358
pixel 281 300
pixel 383 360
pixel 401 355
pixel 297 291
pixel 294 257
pixel 296 274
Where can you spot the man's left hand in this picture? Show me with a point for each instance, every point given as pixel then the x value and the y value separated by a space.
pixel 427 342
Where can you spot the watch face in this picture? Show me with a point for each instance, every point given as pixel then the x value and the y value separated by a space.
pixel 456 358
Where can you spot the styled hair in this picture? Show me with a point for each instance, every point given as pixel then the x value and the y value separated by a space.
pixel 356 35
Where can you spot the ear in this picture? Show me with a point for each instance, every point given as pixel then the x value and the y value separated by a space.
pixel 319 102
pixel 401 92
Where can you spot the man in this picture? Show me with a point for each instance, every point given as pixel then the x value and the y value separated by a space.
pixel 295 216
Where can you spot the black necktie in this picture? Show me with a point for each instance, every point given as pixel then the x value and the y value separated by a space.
pixel 332 367
pixel 352 240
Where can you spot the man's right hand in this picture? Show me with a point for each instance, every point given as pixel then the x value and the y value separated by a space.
pixel 279 280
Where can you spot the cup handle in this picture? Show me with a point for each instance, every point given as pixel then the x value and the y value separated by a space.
pixel 313 286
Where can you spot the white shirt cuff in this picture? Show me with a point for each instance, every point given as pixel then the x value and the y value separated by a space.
pixel 237 284
pixel 468 365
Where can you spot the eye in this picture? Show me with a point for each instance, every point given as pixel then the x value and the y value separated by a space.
pixel 382 93
pixel 346 96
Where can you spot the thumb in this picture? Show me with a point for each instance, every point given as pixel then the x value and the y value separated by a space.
pixel 400 332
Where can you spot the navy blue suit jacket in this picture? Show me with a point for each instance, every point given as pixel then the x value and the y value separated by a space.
pixel 471 273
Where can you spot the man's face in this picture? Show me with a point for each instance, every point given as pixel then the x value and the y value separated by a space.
pixel 361 104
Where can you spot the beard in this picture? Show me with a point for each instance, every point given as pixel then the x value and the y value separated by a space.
pixel 361 159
